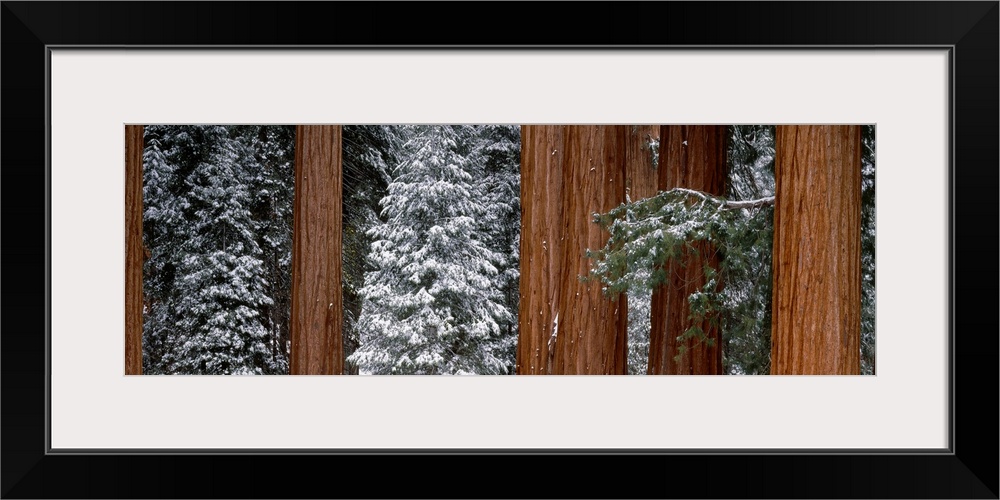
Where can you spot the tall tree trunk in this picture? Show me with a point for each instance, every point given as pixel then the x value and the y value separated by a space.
pixel 133 249
pixel 816 314
pixel 566 326
pixel 317 314
pixel 694 157
pixel 641 172
pixel 541 216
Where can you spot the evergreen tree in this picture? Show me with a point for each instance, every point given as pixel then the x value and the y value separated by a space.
pixel 746 311
pixel 271 183
pixel 163 228
pixel 868 250
pixel 430 304
pixel 498 151
pixel 368 150
pixel 221 279
pixel 639 325
pixel 217 228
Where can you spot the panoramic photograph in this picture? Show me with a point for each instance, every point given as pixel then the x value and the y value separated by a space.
pixel 500 249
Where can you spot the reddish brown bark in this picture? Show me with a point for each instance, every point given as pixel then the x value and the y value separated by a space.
pixel 317 315
pixel 541 212
pixel 640 171
pixel 816 312
pixel 133 249
pixel 568 173
pixel 693 157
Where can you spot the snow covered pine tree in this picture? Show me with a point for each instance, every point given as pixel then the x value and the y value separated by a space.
pixel 430 304
pixel 222 280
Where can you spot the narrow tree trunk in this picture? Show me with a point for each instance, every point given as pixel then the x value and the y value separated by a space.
pixel 133 249
pixel 692 157
pixel 567 326
pixel 641 172
pixel 317 315
pixel 816 314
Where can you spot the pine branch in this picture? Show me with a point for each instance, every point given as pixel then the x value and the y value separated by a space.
pixel 646 233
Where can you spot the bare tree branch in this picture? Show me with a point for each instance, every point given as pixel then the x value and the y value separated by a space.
pixel 760 202
pixel 729 204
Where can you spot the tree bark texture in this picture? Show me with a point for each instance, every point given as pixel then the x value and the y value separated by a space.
pixel 317 314
pixel 693 157
pixel 816 313
pixel 640 171
pixel 133 249
pixel 567 326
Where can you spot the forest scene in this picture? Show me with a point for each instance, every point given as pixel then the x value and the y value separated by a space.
pixel 502 249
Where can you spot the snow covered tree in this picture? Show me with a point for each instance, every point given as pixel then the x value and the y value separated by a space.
pixel 430 306
pixel 271 183
pixel 368 150
pixel 221 280
pixel 746 308
pixel 497 153
pixel 164 227
pixel 217 228
pixel 868 250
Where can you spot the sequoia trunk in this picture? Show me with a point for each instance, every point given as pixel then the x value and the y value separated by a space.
pixel 567 326
pixel 816 313
pixel 317 314
pixel 641 171
pixel 693 157
pixel 133 249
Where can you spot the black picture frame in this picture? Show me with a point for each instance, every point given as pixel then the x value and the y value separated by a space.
pixel 968 470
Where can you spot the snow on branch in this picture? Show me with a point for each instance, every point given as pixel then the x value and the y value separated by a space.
pixel 729 204
pixel 644 234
